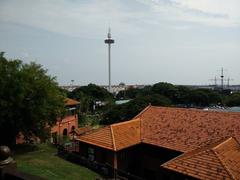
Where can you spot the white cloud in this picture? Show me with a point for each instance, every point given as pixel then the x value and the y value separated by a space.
pixel 223 13
pixel 72 18
pixel 79 18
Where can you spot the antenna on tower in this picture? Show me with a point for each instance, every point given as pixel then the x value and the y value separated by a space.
pixel 109 33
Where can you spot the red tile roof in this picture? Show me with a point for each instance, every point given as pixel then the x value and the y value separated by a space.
pixel 115 137
pixel 178 129
pixel 186 129
pixel 101 137
pixel 198 134
pixel 71 102
pixel 220 160
pixel 126 134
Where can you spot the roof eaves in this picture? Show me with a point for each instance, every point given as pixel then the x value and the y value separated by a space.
pixel 128 146
pixel 88 142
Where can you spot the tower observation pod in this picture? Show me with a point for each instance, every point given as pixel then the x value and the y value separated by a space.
pixel 109 41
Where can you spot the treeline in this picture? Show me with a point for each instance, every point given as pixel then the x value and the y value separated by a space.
pixel 166 94
pixel 88 95
pixel 160 94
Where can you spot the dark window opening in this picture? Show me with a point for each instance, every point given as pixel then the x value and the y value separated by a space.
pixel 65 132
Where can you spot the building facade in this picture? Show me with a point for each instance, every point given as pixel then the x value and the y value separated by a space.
pixel 65 126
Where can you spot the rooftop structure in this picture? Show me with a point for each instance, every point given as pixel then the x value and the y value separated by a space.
pixel 178 129
pixel 220 160
pixel 191 142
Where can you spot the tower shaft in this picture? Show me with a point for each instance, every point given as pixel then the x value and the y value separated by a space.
pixel 109 41
pixel 109 67
pixel 222 76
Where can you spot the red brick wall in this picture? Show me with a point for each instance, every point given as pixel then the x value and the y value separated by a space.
pixel 66 123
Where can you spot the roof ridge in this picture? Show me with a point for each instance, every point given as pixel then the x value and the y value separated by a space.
pixel 70 99
pixel 193 109
pixel 125 122
pixel 113 139
pixel 82 140
pixel 194 152
pixel 221 161
pixel 223 142
pixel 145 109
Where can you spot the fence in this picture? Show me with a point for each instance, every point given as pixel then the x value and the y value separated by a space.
pixel 105 170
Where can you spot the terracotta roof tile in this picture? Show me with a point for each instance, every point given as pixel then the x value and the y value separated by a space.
pixel 126 134
pixel 178 129
pixel 115 137
pixel 71 102
pixel 213 161
pixel 101 137
pixel 186 129
pixel 229 153
pixel 83 130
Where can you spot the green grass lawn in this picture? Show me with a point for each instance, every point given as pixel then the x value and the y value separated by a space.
pixel 42 161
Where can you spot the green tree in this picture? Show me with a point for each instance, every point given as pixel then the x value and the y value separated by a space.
pixel 88 94
pixel 183 95
pixel 118 113
pixel 199 97
pixel 96 92
pixel 233 100
pixel 166 89
pixel 29 100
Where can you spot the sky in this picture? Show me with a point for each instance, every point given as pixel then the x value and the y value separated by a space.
pixel 177 41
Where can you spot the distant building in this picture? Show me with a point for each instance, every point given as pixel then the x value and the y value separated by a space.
pixel 64 126
pixel 70 88
pixel 115 89
pixel 168 143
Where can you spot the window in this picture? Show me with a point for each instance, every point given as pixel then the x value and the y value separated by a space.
pixel 91 154
pixel 65 132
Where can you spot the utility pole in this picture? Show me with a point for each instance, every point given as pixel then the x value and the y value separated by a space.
pixel 109 41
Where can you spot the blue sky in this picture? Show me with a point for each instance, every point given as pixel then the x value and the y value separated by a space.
pixel 176 41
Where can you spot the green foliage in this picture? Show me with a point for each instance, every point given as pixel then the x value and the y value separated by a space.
pixel 118 113
pixel 132 93
pixel 88 120
pixel 198 97
pixel 166 89
pixel 233 100
pixel 91 90
pixel 29 99
pixel 160 94
pixel 204 97
pixel 183 95
pixel 88 94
